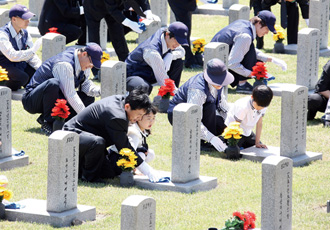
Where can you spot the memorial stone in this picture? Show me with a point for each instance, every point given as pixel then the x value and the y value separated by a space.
pixel 159 8
pixel 151 28
pixel 103 34
pixel 186 142
pixel 276 202
pixel 172 17
pixel 4 17
pixel 35 6
pixel 138 213
pixel 237 12
pixel 5 123
pixel 113 78
pixel 226 4
pixel 319 18
pixel 216 50
pixel 52 44
pixel 308 57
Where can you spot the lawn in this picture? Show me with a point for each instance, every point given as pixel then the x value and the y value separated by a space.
pixel 239 182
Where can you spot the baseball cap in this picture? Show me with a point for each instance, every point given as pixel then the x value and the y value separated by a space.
pixel 269 18
pixel 180 32
pixel 20 11
pixel 95 52
pixel 216 73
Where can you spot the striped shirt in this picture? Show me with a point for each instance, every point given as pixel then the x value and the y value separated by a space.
pixel 63 71
pixel 160 65
pixel 241 46
pixel 198 97
pixel 7 49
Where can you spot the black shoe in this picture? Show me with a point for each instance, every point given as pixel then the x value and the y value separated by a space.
pixel 97 180
pixel 47 128
pixel 194 66
pixel 207 147
pixel 245 89
pixel 40 119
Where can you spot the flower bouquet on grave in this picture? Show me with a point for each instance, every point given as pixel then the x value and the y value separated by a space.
pixel 240 221
pixel 53 30
pixel 127 163
pixel 165 91
pixel 105 57
pixel 278 38
pixel 60 112
pixel 3 76
pixel 259 71
pixel 233 133
pixel 5 194
pixel 198 50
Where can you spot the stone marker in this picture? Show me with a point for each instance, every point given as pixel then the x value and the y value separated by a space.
pixel 216 50
pixel 226 4
pixel 138 213
pixel 4 17
pixel 52 44
pixel 238 11
pixel 216 9
pixel 7 159
pixel 159 8
pixel 103 34
pixel 61 207
pixel 35 6
pixel 308 57
pixel 152 27
pixel 185 154
pixel 276 202
pixel 113 78
pixel 293 130
pixel 172 17
pixel 319 18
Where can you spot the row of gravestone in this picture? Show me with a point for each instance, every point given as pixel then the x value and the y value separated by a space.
pixel 61 207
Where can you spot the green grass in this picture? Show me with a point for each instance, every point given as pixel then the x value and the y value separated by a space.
pixel 239 183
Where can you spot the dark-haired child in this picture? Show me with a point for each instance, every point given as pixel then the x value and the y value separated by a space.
pixel 249 112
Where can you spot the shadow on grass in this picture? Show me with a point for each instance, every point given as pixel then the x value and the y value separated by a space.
pixel 35 130
pixel 315 122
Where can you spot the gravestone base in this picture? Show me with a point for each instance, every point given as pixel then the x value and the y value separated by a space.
pixel 35 212
pixel 258 154
pixel 34 31
pixel 11 162
pixel 211 9
pixel 17 95
pixel 204 183
pixel 325 52
pixel 277 88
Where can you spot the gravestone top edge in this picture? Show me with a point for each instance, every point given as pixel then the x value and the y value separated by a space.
pixel 294 88
pixel 216 44
pixel 308 30
pixel 61 134
pixel 237 7
pixel 135 200
pixel 275 160
pixel 184 107
pixel 111 63
pixel 52 35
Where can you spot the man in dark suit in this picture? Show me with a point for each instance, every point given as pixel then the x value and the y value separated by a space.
pixel 112 12
pixel 105 123
pixel 67 16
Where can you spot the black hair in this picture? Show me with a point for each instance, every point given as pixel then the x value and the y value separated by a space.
pixel 169 33
pixel 256 19
pixel 153 109
pixel 262 95
pixel 138 99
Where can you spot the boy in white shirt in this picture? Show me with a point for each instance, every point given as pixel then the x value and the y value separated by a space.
pixel 249 112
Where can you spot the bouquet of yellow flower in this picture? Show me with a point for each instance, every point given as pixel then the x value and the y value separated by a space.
pixel 280 34
pixel 4 192
pixel 128 159
pixel 105 57
pixel 198 46
pixel 233 133
pixel 3 74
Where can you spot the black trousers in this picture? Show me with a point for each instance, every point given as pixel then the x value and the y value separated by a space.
pixel 316 103
pixel 184 16
pixel 174 73
pixel 18 77
pixel 42 99
pixel 293 22
pixel 248 141
pixel 116 32
pixel 215 124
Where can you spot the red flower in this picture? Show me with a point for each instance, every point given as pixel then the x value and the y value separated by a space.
pixel 239 215
pixel 167 89
pixel 61 110
pixel 53 30
pixel 259 71
pixel 252 215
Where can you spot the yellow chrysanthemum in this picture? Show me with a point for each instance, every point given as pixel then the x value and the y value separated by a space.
pixel 130 164
pixel 105 57
pixel 227 136
pixel 125 152
pixel 121 162
pixel 7 195
pixel 237 136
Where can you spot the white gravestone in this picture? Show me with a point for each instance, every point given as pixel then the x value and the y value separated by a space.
pixel 151 28
pixel 293 130
pixel 319 18
pixel 113 78
pixel 216 9
pixel 237 12
pixel 138 213
pixel 308 57
pixel 61 207
pixel 4 17
pixel 276 202
pixel 52 44
pixel 35 6
pixel 7 159
pixel 185 155
pixel 172 17
pixel 159 8
pixel 103 34
pixel 226 4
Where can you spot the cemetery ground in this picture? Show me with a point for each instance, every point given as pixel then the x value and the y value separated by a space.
pixel 239 182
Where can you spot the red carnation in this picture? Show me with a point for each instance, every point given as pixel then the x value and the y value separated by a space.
pixel 167 90
pixel 239 215
pixel 61 110
pixel 259 71
pixel 53 30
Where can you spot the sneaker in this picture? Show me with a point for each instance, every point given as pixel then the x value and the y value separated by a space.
pixel 47 128
pixel 245 89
